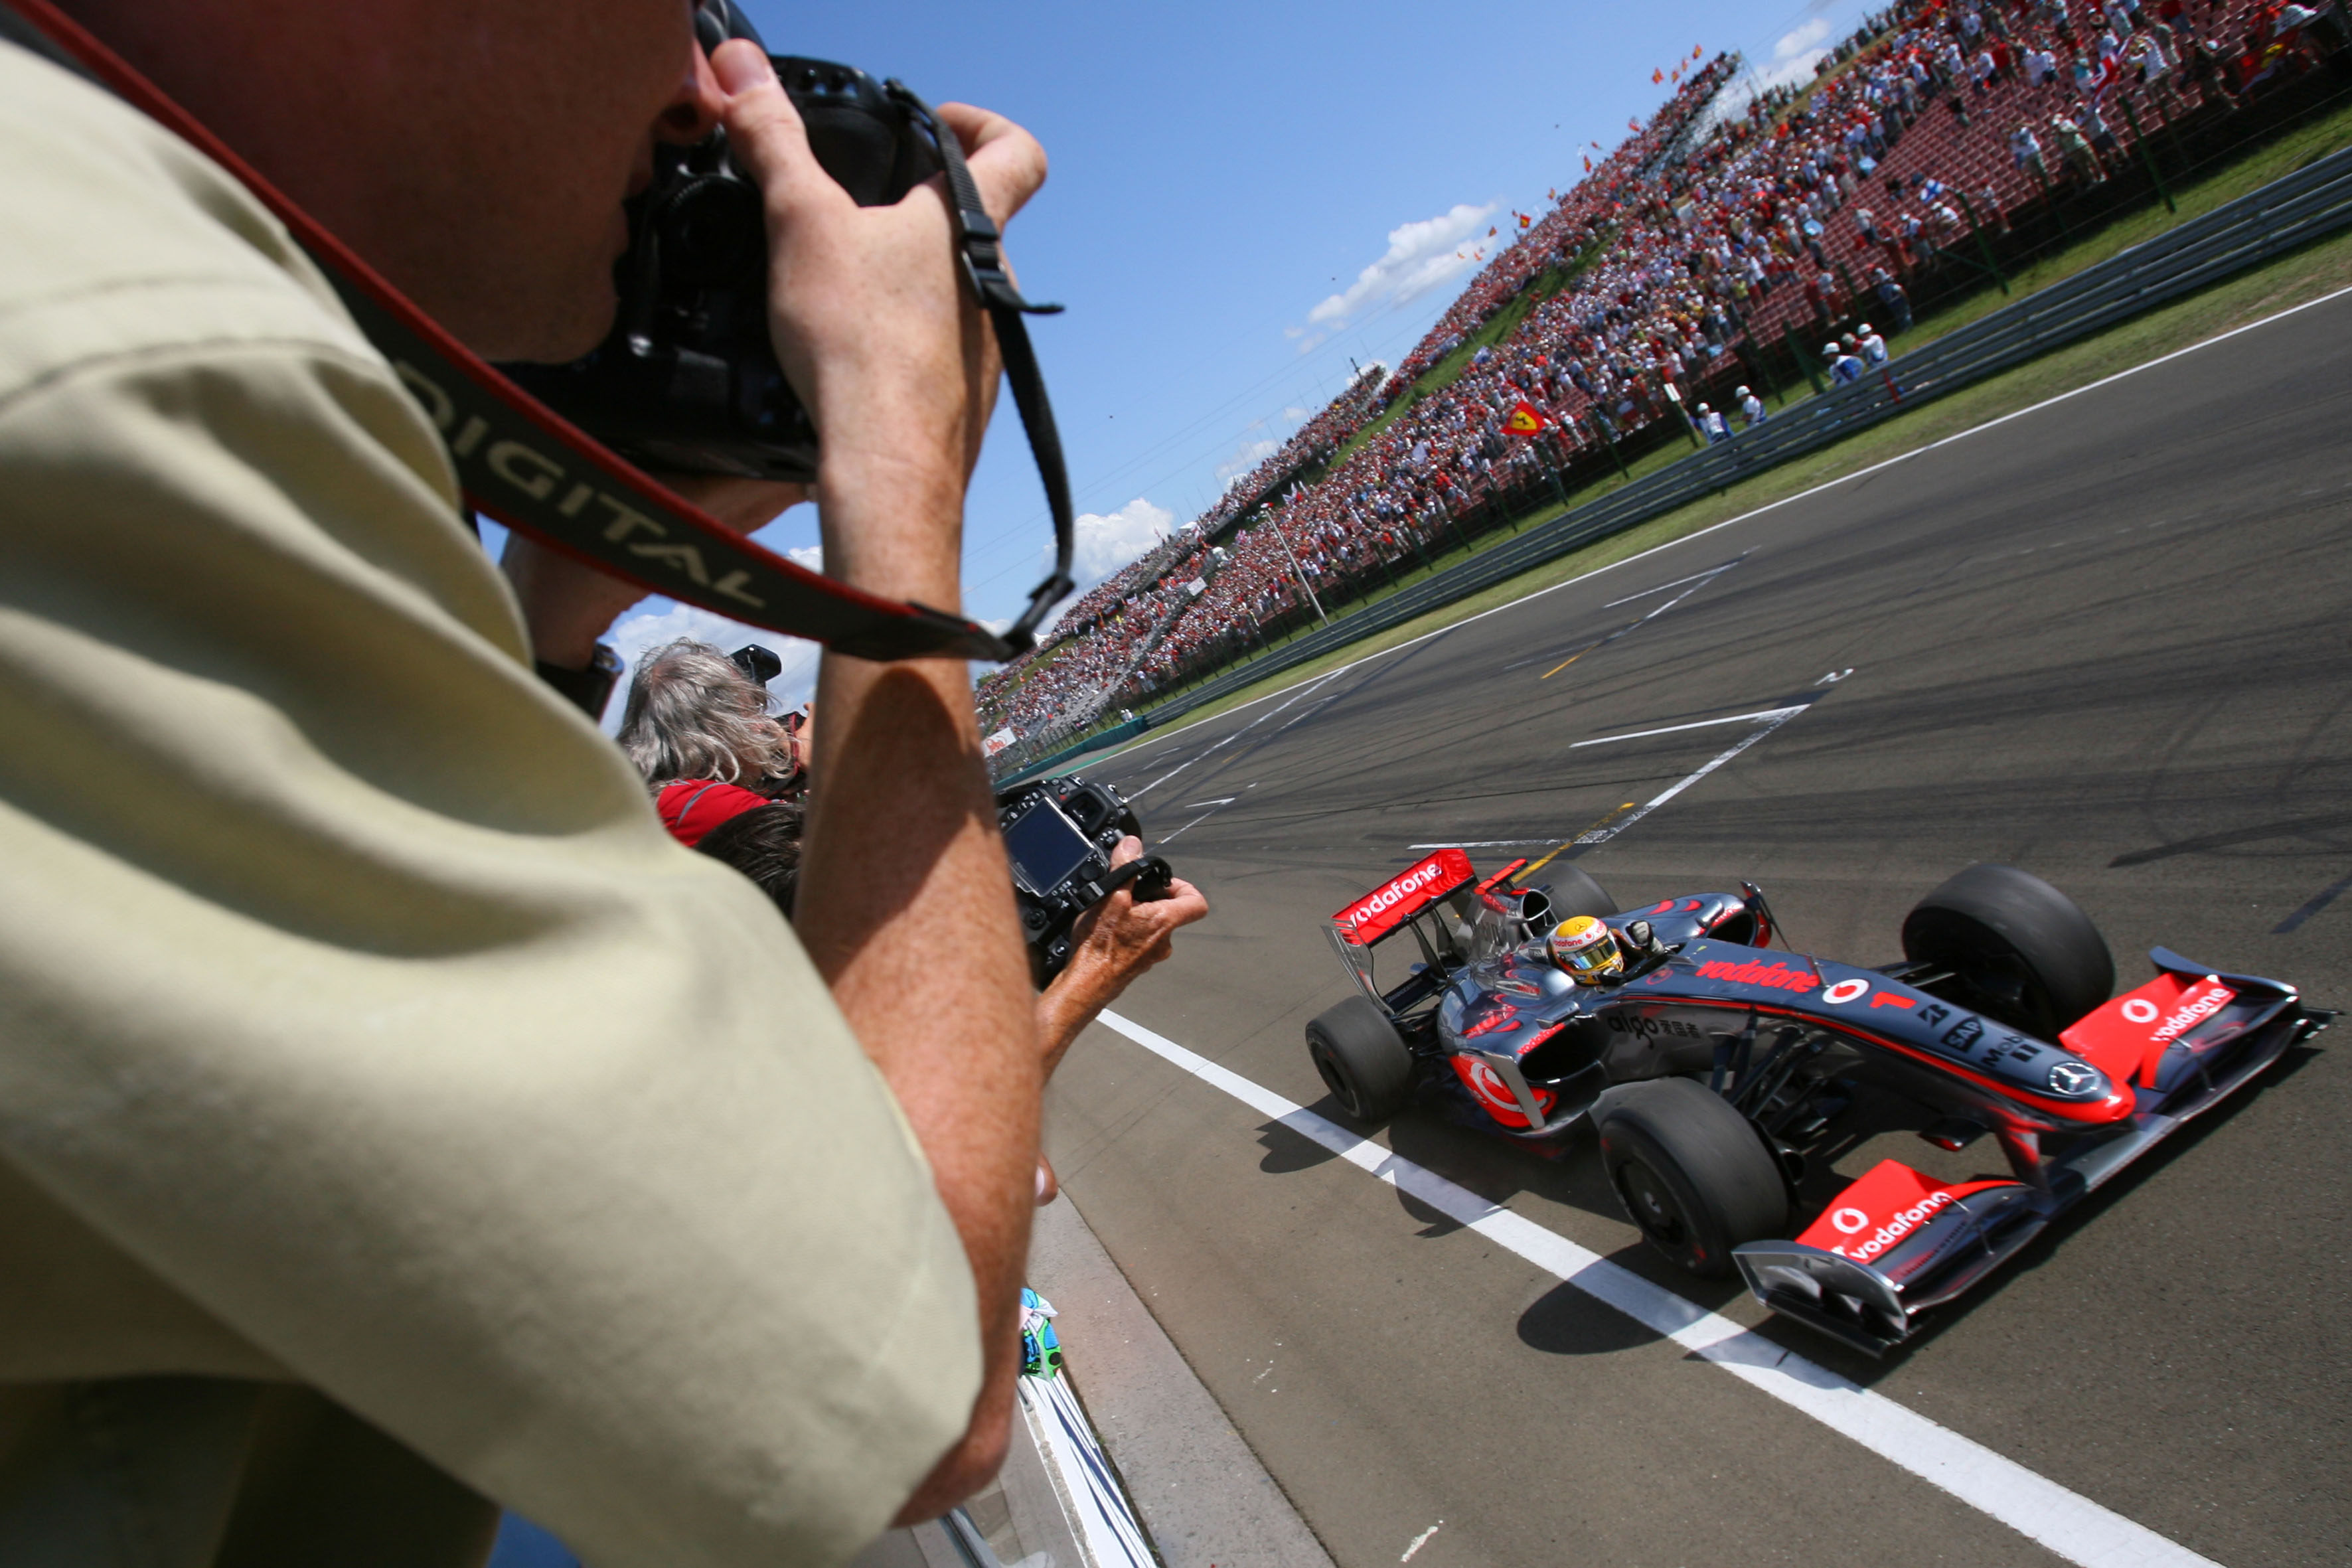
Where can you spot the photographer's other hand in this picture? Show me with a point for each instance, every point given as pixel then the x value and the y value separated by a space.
pixel 1116 942
pixel 568 605
pixel 878 332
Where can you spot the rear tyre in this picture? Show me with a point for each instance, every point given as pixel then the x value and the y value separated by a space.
pixel 1691 1172
pixel 2019 950
pixel 1574 893
pixel 1361 1060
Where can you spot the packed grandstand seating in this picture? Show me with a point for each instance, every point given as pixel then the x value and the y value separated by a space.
pixel 1706 237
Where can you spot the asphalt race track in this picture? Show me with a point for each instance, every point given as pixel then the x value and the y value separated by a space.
pixel 2107 641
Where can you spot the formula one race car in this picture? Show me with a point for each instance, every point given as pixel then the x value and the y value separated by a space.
pixel 1714 1068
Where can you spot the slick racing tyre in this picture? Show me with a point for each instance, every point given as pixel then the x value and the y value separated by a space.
pixel 1362 1058
pixel 1691 1172
pixel 2019 950
pixel 1574 893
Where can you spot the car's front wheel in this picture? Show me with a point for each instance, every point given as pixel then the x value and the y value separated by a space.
pixel 1692 1172
pixel 1361 1060
pixel 2018 949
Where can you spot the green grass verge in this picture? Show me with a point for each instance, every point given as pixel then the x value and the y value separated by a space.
pixel 2305 275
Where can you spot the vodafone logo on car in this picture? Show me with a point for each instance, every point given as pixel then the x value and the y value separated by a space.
pixel 2201 1002
pixel 1441 873
pixel 1889 1203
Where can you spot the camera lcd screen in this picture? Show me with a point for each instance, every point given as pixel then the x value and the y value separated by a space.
pixel 1045 847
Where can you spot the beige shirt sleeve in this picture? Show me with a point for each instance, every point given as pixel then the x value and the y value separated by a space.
pixel 357 1017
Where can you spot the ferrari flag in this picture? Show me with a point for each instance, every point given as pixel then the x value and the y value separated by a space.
pixel 1523 420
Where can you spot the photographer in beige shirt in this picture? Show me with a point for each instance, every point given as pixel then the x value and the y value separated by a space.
pixel 391 1117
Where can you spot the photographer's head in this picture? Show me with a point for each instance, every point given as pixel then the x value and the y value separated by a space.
pixel 476 155
pixel 694 714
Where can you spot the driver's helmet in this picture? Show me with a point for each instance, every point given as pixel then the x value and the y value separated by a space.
pixel 1586 948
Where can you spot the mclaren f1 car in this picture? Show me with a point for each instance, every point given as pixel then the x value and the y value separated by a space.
pixel 1715 1069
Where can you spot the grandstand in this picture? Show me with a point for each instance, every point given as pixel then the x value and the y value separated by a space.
pixel 1717 244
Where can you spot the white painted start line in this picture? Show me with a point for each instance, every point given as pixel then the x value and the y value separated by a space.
pixel 1699 724
pixel 2066 1522
pixel 1771 719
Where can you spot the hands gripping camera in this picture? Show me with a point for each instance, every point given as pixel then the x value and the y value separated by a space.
pixel 1060 834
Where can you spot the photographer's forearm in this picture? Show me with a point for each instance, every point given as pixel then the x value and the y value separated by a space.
pixel 906 906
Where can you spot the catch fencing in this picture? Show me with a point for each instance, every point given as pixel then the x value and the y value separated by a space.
pixel 2311 203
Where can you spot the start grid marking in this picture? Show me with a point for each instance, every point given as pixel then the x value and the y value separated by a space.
pixel 2066 1522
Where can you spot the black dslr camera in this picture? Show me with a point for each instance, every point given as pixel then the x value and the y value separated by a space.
pixel 689 379
pixel 1060 834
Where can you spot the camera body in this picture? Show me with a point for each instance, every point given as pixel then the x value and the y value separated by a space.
pixel 688 380
pixel 1059 834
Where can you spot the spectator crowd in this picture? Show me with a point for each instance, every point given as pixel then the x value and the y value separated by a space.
pixel 1694 253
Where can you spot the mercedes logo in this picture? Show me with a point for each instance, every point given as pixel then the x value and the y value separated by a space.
pixel 2073 1078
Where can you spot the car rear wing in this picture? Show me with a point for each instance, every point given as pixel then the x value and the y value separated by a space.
pixel 1396 904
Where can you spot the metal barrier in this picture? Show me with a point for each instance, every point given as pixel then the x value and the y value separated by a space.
pixel 2311 203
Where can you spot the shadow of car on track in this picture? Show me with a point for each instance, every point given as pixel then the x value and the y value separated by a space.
pixel 1567 1320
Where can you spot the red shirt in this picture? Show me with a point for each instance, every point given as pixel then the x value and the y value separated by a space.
pixel 691 807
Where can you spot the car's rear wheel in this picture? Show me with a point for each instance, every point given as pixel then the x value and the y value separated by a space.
pixel 2018 949
pixel 1574 893
pixel 1693 1174
pixel 1361 1060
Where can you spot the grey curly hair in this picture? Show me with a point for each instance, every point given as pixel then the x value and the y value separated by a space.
pixel 693 714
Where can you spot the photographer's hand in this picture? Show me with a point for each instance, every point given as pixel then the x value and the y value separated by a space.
pixel 1117 942
pixel 905 900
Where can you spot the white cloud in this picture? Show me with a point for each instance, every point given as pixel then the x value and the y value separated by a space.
pixel 639 632
pixel 1107 543
pixel 809 556
pixel 1796 55
pixel 1421 255
pixel 1246 456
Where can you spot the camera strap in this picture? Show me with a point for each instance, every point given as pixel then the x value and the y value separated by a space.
pixel 525 466
pixel 979 244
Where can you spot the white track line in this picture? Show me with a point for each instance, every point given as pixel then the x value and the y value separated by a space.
pixel 1603 835
pixel 2069 1524
pixel 1750 516
pixel 1228 741
pixel 1701 724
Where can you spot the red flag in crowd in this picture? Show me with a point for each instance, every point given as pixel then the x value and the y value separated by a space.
pixel 1523 420
pixel 1525 221
pixel 1588 162
pixel 1695 51
pixel 1490 234
pixel 1657 76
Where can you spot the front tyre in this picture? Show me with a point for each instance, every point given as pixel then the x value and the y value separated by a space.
pixel 1361 1060
pixel 2019 950
pixel 1693 1174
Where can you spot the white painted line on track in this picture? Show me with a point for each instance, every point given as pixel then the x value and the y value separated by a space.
pixel 1749 516
pixel 1603 835
pixel 1664 586
pixel 1701 724
pixel 1223 800
pixel 2066 1522
pixel 1484 844
pixel 1228 741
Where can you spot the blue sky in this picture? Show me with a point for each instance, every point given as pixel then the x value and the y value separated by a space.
pixel 1220 171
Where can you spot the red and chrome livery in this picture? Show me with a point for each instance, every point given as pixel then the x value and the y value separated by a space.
pixel 1796 1056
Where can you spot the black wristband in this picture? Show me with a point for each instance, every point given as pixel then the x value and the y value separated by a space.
pixel 590 688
